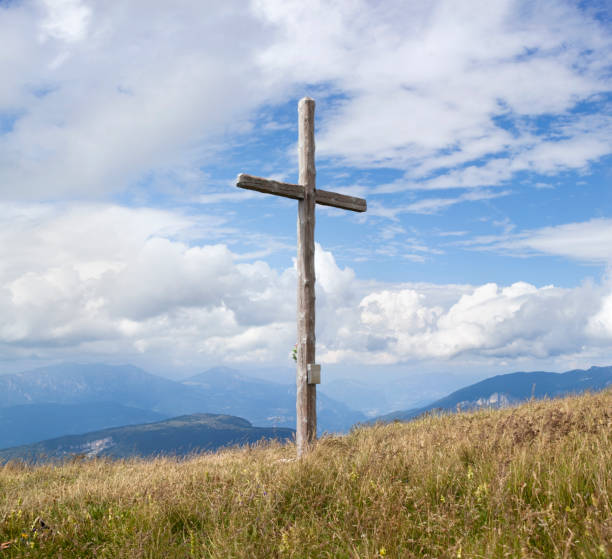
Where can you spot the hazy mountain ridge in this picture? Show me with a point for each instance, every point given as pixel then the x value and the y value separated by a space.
pixel 268 403
pixel 376 398
pixel 178 436
pixel 513 388
pixel 29 423
pixel 73 383
pixel 149 397
pixel 62 400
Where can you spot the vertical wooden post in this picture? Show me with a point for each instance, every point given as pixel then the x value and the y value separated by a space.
pixel 306 428
pixel 308 195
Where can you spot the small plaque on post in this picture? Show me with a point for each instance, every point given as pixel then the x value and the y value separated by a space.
pixel 314 373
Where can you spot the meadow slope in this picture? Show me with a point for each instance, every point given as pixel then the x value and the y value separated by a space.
pixel 531 481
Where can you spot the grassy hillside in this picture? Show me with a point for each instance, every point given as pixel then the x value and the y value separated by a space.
pixel 533 481
pixel 512 389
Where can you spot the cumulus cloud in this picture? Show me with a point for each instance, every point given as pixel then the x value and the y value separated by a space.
pixel 136 285
pixel 509 323
pixel 110 280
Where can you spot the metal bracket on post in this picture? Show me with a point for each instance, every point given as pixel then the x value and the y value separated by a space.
pixel 314 373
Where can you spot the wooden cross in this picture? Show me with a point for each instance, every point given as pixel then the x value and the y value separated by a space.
pixel 308 373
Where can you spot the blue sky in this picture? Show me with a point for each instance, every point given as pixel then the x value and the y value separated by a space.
pixel 479 133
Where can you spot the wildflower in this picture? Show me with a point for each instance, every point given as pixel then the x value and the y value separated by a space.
pixel 482 490
pixel 382 552
pixel 284 544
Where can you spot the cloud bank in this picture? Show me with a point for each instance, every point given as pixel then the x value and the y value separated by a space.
pixel 112 282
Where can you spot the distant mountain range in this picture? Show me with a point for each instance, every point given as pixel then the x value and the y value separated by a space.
pixel 372 396
pixel 505 390
pixel 123 410
pixel 30 423
pixel 175 437
pixel 72 399
pixel 72 383
pixel 267 403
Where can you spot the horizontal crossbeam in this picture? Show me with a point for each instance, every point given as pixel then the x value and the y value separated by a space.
pixel 296 192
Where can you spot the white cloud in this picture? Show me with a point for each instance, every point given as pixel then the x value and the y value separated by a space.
pixel 433 205
pixel 119 93
pixel 585 140
pixel 588 241
pixel 423 83
pixel 492 322
pixel 110 281
pixel 107 95
pixel 600 324
pixel 113 283
pixel 66 20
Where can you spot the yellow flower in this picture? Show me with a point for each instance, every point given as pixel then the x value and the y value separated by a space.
pixel 482 490
pixel 284 544
pixel 382 552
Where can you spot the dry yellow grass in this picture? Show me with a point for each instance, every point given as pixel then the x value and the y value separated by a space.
pixel 532 481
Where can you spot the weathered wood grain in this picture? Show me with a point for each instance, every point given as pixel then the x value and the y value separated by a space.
pixel 306 431
pixel 268 186
pixel 296 192
pixel 343 201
